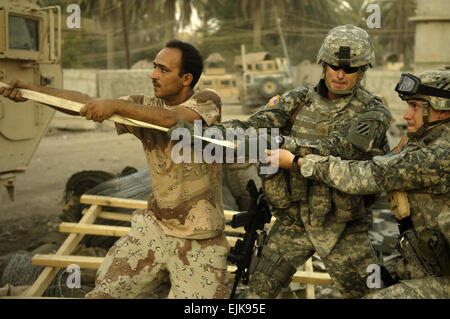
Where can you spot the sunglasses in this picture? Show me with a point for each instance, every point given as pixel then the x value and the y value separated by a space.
pixel 348 70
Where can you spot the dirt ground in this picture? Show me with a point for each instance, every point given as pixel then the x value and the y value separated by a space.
pixel 38 202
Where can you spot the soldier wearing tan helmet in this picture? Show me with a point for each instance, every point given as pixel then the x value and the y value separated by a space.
pixel 339 117
pixel 416 177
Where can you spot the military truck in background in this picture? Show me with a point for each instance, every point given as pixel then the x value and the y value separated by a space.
pixel 216 77
pixel 262 77
pixel 30 49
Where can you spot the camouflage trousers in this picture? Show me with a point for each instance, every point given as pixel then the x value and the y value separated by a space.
pixel 425 288
pixel 138 261
pixel 288 248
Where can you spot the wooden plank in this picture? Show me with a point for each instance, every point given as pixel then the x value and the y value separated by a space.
pixel 107 230
pixel 49 273
pixel 76 107
pixel 116 216
pixel 64 261
pixel 127 218
pixel 305 277
pixel 314 278
pixel 113 201
pixel 134 204
pixel 309 288
pixel 128 203
pixel 102 230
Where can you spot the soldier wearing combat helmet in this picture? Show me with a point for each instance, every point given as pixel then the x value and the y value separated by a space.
pixel 335 117
pixel 416 178
pixel 346 47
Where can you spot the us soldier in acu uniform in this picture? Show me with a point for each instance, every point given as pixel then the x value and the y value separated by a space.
pixel 181 231
pixel 416 176
pixel 336 117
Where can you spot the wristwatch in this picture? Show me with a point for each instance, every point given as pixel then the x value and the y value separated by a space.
pixel 280 140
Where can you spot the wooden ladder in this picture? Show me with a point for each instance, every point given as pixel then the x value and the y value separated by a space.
pixel 98 208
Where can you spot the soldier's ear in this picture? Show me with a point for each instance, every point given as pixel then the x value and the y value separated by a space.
pixel 187 79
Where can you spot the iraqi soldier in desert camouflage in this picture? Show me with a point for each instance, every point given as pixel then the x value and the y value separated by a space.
pixel 416 177
pixel 335 117
pixel 181 231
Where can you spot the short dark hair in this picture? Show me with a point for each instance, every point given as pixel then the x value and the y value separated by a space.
pixel 191 60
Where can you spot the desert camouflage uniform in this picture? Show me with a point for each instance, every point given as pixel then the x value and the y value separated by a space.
pixel 315 217
pixel 181 231
pixel 422 170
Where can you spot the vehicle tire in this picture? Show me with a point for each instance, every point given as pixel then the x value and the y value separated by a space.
pixel 269 87
pixel 83 181
pixel 77 185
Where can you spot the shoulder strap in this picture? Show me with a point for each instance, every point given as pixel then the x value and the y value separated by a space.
pixel 297 110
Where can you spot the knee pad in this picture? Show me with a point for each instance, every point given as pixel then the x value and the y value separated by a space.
pixel 276 266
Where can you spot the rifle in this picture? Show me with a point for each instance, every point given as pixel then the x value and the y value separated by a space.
pixel 252 220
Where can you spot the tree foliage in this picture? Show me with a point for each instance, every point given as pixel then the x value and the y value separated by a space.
pixel 223 25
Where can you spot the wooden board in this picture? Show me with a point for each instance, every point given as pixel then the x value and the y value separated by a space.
pixel 63 257
pixel 134 204
pixel 305 277
pixel 71 242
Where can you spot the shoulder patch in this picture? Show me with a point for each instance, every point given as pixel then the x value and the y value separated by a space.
pixel 274 101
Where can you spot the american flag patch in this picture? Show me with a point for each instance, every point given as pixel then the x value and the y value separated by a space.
pixel 274 101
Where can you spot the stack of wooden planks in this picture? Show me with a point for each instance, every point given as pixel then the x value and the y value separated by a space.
pixel 99 209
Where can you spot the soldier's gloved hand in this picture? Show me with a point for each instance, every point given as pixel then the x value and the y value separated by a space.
pixel 12 91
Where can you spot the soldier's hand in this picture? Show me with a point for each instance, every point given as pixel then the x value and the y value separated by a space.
pixel 98 110
pixel 281 158
pixel 12 91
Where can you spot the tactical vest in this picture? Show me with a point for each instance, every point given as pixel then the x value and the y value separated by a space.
pixel 288 192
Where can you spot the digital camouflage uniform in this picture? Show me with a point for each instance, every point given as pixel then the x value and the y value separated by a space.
pixel 181 231
pixel 422 170
pixel 310 216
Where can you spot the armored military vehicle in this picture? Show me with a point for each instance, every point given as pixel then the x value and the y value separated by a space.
pixel 30 49
pixel 262 78
pixel 216 77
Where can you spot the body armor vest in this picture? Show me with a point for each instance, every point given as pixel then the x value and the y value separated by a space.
pixel 288 192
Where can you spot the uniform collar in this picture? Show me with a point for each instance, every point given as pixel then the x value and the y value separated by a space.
pixel 433 134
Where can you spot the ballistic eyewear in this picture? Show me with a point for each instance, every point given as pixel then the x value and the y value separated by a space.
pixel 348 70
pixel 410 84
